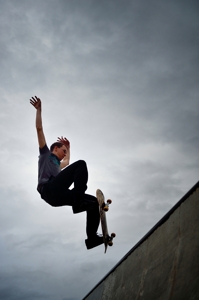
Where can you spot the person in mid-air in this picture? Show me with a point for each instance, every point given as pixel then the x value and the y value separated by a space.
pixel 56 175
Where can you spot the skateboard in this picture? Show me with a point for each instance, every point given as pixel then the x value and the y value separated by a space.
pixel 103 208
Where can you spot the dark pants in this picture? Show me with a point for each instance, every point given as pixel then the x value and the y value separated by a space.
pixel 56 192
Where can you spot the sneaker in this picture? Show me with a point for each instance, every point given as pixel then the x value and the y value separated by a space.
pixel 94 241
pixel 89 202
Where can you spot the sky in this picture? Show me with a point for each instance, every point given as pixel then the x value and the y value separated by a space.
pixel 120 80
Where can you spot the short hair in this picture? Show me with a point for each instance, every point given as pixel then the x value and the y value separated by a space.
pixel 56 144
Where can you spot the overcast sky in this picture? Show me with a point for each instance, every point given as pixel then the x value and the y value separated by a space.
pixel 119 79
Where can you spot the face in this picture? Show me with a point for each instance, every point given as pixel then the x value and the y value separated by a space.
pixel 60 152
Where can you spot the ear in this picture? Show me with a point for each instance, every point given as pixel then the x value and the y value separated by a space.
pixel 55 149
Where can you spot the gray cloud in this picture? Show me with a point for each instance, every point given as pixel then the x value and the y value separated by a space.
pixel 120 80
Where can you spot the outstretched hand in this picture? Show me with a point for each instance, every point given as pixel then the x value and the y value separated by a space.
pixel 64 141
pixel 36 102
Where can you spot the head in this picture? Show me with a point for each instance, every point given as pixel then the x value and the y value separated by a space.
pixel 59 150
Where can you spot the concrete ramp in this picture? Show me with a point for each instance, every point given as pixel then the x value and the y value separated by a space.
pixel 164 264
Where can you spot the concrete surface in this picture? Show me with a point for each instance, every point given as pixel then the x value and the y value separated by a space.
pixel 164 264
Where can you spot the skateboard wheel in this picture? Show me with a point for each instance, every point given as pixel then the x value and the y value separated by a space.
pixel 109 201
pixel 105 208
pixel 113 235
pixel 110 243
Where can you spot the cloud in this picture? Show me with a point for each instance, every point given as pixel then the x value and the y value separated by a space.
pixel 120 80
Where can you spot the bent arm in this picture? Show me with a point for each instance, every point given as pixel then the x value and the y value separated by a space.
pixel 66 160
pixel 36 102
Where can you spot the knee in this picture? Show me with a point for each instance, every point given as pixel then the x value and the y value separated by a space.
pixel 51 202
pixel 81 163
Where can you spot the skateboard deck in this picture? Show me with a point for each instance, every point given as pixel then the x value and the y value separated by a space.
pixel 103 208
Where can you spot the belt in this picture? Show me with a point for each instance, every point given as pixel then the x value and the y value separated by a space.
pixel 41 185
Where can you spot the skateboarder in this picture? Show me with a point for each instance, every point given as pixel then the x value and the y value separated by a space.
pixel 55 176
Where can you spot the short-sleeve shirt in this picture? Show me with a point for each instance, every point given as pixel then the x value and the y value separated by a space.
pixel 48 165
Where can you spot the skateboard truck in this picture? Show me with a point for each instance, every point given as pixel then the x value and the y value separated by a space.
pixel 110 239
pixel 106 205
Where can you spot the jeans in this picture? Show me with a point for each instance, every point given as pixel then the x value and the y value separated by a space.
pixel 56 192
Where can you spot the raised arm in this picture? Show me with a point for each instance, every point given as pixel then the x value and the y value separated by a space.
pixel 36 102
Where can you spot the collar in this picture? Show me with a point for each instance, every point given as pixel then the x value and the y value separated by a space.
pixel 54 158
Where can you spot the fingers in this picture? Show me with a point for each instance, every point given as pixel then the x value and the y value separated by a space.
pixel 64 140
pixel 35 100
